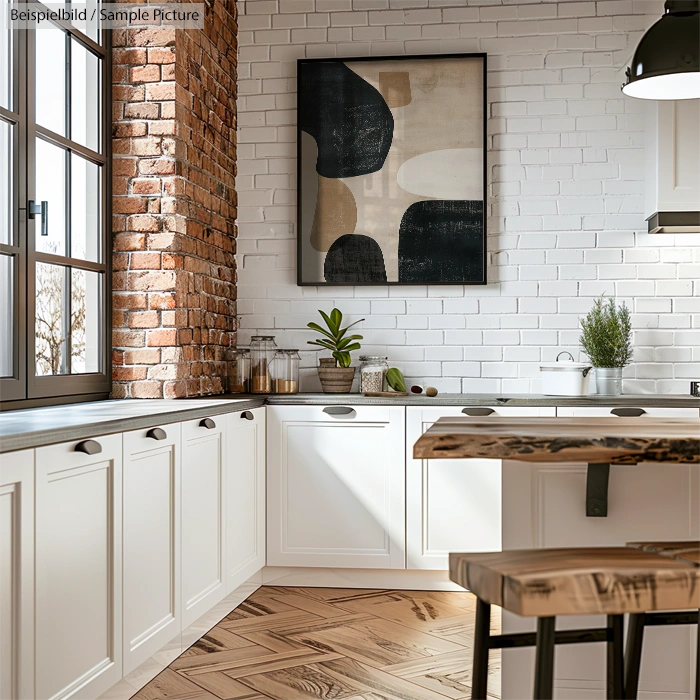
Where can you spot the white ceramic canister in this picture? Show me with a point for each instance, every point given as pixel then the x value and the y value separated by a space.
pixel 565 378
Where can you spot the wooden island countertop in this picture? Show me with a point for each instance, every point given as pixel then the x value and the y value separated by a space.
pixel 563 439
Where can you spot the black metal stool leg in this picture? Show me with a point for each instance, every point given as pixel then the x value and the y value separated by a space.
pixel 480 667
pixel 615 657
pixel 697 664
pixel 633 654
pixel 544 659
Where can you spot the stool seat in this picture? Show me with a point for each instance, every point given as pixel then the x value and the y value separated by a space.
pixel 685 551
pixel 578 581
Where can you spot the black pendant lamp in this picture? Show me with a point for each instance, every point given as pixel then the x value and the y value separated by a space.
pixel 666 64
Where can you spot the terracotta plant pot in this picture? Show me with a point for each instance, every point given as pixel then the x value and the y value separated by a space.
pixel 336 380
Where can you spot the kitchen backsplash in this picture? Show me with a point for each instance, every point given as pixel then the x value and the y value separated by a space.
pixel 566 188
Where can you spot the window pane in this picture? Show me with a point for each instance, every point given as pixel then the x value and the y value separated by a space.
pixel 51 79
pixel 86 309
pixel 6 314
pixel 51 188
pixel 85 96
pixel 6 184
pixel 91 25
pixel 5 56
pixel 86 226
pixel 50 328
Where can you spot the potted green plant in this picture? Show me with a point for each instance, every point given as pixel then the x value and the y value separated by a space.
pixel 335 372
pixel 606 337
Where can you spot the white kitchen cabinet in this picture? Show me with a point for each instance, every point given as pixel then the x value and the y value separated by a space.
pixel 672 153
pixel 452 505
pixel 245 496
pixel 17 575
pixel 78 568
pixel 151 527
pixel 336 486
pixel 544 506
pixel 203 515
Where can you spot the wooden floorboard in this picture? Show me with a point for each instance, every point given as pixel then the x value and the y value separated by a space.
pixel 333 644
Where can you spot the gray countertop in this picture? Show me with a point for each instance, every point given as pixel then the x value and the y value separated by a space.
pixel 36 427
pixel 641 400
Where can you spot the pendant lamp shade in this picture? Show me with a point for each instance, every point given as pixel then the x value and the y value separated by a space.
pixel 666 64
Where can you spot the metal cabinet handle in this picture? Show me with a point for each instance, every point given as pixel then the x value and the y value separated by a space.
pixel 207 423
pixel 89 447
pixel 157 434
pixel 43 211
pixel 628 412
pixel 477 411
pixel 247 415
pixel 338 411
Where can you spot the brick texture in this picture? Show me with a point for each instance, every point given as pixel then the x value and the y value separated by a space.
pixel 565 200
pixel 174 206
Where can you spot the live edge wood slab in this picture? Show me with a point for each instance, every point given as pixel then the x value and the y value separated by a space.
pixel 581 439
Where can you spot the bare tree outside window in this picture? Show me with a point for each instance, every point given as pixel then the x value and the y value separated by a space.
pixel 52 329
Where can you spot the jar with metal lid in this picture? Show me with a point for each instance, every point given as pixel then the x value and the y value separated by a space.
pixel 262 352
pixel 373 369
pixel 238 371
pixel 285 372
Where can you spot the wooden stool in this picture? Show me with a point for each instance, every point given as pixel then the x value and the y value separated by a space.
pixel 688 552
pixel 545 583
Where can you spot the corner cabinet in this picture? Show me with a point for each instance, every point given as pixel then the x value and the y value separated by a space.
pixel 17 575
pixel 78 568
pixel 151 521
pixel 336 486
pixel 245 496
pixel 452 505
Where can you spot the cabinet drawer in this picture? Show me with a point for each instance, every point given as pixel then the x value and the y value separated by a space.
pixel 612 411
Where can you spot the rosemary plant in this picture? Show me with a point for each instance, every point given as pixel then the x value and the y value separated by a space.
pixel 606 335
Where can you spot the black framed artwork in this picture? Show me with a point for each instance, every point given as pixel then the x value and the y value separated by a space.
pixel 391 165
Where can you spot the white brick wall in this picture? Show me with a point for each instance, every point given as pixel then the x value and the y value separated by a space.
pixel 565 200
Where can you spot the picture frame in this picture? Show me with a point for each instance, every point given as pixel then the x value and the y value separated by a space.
pixel 391 170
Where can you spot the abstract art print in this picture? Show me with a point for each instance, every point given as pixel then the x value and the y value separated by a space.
pixel 392 170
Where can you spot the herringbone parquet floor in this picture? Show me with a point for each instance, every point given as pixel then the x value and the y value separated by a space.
pixel 332 643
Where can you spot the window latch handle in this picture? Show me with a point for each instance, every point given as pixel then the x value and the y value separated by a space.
pixel 43 211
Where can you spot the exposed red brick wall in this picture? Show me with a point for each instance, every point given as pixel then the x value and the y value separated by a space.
pixel 174 206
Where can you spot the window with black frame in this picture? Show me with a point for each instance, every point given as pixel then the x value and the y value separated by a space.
pixel 54 256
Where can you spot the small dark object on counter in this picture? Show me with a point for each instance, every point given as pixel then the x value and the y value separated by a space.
pixel 415 389
pixel 431 391
pixel 695 388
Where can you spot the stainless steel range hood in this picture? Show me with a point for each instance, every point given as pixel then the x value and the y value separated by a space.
pixel 674 222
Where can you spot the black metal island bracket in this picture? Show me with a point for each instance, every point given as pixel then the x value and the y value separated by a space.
pixel 597 480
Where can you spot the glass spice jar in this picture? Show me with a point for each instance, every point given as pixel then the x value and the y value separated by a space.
pixel 262 352
pixel 373 369
pixel 238 371
pixel 285 372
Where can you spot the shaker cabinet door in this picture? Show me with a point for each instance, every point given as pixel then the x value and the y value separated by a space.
pixel 17 575
pixel 452 505
pixel 203 515
pixel 245 496
pixel 78 568
pixel 336 486
pixel 151 515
